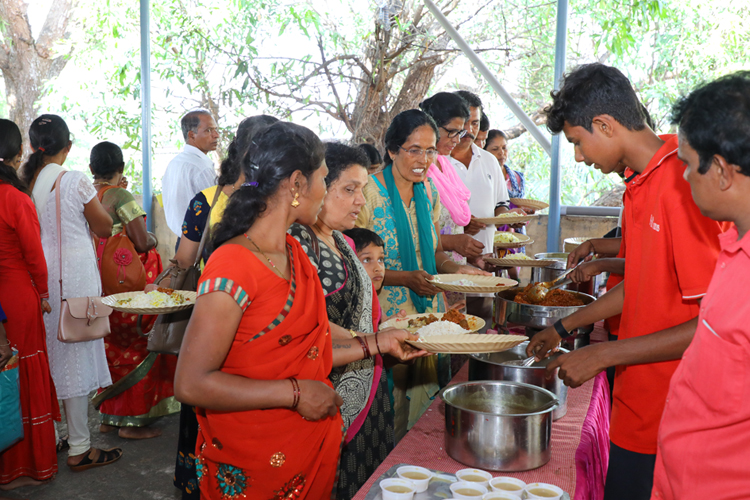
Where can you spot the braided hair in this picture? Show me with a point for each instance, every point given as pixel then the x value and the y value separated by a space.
pixel 48 134
pixel 273 155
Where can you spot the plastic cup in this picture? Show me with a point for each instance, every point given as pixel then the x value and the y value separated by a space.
pixel 543 491
pixel 509 485
pixel 475 476
pixel 397 489
pixel 415 471
pixel 500 495
pixel 467 490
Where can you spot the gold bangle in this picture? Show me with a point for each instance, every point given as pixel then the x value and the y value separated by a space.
pixel 354 334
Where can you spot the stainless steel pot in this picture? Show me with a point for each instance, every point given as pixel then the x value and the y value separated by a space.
pixel 554 270
pixel 492 425
pixel 490 367
pixel 536 317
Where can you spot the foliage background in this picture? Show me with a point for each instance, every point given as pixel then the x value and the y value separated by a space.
pixel 243 57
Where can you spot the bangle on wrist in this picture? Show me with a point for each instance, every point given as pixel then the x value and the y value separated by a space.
pixel 295 389
pixel 365 349
pixel 377 344
pixel 561 331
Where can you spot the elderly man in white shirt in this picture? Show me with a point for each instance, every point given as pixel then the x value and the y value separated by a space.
pixel 192 170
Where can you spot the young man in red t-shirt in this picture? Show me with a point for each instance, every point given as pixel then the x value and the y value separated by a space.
pixel 670 251
pixel 704 436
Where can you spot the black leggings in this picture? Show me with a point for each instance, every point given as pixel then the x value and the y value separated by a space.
pixel 630 475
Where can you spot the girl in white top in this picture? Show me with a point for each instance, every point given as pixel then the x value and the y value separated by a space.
pixel 77 368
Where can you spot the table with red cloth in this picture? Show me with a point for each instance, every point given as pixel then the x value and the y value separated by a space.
pixel 579 444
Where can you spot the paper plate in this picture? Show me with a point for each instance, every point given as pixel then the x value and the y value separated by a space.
pixel 523 240
pixel 484 284
pixel 111 301
pixel 507 219
pixel 468 343
pixel 475 322
pixel 518 262
pixel 525 202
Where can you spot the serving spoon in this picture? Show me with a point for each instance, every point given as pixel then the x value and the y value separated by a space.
pixel 536 293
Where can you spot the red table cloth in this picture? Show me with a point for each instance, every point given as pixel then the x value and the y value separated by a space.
pixel 579 443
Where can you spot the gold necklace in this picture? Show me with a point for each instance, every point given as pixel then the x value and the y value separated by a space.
pixel 103 183
pixel 266 256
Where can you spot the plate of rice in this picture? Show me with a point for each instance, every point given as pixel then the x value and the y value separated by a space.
pixel 467 343
pixel 160 301
pixel 507 239
pixel 414 322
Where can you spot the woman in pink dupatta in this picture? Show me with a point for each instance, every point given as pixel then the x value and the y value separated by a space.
pixel 450 113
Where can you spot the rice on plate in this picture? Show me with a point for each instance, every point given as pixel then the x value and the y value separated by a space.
pixel 154 298
pixel 440 328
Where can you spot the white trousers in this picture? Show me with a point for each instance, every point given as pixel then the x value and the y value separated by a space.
pixel 77 416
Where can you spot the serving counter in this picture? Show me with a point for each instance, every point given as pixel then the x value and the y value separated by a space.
pixel 579 442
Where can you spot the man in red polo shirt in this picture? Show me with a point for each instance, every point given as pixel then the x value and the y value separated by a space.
pixel 704 437
pixel 670 252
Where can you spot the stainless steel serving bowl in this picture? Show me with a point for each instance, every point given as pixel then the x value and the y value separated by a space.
pixel 492 425
pixel 490 367
pixel 536 317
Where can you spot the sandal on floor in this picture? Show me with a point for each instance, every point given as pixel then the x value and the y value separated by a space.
pixel 62 444
pixel 105 457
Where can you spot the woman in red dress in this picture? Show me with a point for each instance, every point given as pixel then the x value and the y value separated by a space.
pixel 23 293
pixel 256 356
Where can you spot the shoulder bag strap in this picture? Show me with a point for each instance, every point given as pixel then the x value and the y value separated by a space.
pixel 314 241
pixel 59 228
pixel 207 228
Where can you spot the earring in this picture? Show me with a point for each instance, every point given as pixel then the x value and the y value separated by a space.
pixel 295 202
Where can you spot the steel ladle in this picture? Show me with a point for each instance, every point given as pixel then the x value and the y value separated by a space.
pixel 537 292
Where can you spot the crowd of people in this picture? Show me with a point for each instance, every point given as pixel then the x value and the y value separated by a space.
pixel 288 386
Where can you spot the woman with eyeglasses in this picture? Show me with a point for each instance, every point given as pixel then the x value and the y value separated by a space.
pixel 404 210
pixel 450 113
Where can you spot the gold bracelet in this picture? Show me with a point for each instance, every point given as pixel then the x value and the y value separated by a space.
pixel 354 334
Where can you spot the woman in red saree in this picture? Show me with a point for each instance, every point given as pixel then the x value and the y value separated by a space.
pixel 256 358
pixel 142 382
pixel 23 294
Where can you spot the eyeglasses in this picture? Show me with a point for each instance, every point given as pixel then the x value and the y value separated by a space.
pixel 419 153
pixel 453 132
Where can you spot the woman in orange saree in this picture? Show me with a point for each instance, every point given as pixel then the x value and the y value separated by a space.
pixel 256 358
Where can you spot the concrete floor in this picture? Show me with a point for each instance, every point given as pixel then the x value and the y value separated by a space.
pixel 145 470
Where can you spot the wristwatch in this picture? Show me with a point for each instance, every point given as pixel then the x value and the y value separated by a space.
pixel 561 331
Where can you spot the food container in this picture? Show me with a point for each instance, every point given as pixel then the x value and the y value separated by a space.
pixel 500 495
pixel 558 267
pixel 490 367
pixel 536 317
pixel 495 425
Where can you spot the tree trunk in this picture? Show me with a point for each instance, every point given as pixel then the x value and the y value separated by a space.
pixel 26 63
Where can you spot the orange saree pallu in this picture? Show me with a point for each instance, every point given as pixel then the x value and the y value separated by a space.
pixel 284 332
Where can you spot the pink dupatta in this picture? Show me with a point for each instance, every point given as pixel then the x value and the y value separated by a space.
pixel 454 194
